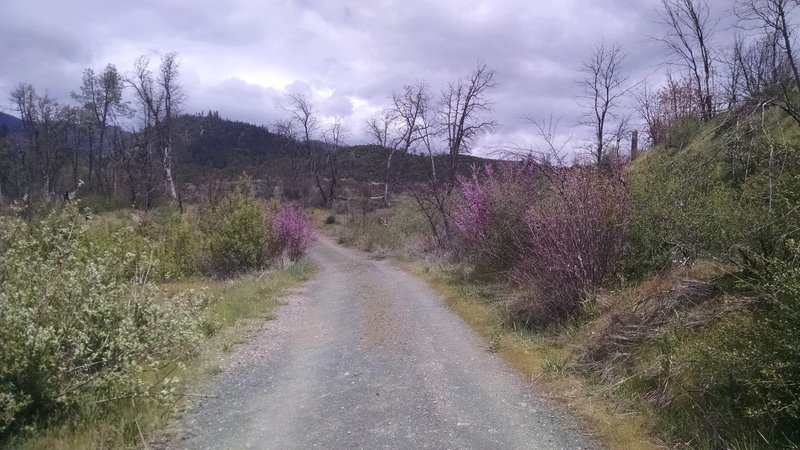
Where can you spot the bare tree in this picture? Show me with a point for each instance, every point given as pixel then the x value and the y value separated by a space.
pixel 427 131
pixel 379 127
pixel 101 97
pixel 461 117
pixel 604 86
pixel 774 17
pixel 463 113
pixel 160 99
pixel 173 97
pixel 761 65
pixel 689 32
pixel 555 146
pixel 151 110
pixel 46 124
pixel 407 109
pixel 303 115
pixel 75 120
pixel 731 89
pixel 621 132
pixel 399 127
pixel 646 105
pixel 335 136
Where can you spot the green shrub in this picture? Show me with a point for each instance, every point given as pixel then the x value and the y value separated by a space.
pixel 738 381
pixel 764 356
pixel 683 131
pixel 135 254
pixel 73 327
pixel 101 204
pixel 737 190
pixel 238 232
pixel 767 353
pixel 180 247
pixel 681 211
pixel 406 223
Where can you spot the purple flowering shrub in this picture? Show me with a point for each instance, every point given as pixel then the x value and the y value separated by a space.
pixel 472 218
pixel 574 243
pixel 556 231
pixel 487 218
pixel 292 232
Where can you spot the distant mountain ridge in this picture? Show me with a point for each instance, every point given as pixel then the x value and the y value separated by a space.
pixel 12 123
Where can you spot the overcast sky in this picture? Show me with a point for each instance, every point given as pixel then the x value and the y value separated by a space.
pixel 241 57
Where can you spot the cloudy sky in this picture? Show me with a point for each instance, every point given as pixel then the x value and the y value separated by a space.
pixel 241 57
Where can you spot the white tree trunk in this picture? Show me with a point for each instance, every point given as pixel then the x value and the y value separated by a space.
pixel 168 174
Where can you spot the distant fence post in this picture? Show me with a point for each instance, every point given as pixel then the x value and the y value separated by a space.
pixel 634 144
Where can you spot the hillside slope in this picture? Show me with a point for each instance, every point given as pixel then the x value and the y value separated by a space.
pixel 215 148
pixel 9 123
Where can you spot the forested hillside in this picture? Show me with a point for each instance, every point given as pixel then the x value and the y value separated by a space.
pixel 229 147
pixel 208 150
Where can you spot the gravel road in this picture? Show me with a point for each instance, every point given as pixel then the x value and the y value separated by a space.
pixel 368 356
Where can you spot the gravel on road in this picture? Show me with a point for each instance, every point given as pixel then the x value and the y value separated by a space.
pixel 368 356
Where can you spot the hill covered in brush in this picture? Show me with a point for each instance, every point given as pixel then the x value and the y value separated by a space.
pixel 214 148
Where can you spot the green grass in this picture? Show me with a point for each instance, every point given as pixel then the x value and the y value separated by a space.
pixel 129 423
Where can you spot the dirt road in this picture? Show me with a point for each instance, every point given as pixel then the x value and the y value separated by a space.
pixel 370 357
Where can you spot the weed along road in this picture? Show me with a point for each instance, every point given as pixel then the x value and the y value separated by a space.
pixel 368 356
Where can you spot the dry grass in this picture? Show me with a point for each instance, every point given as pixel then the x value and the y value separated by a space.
pixel 640 315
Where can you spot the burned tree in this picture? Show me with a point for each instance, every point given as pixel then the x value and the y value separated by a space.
pixel 304 117
pixel 173 97
pixel 101 98
pixel 604 85
pixel 159 98
pixel 688 37
pixel 335 136
pixel 463 114
pixel 775 46
pixel 399 127
pixel 46 124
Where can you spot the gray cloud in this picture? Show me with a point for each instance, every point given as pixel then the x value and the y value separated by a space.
pixel 238 99
pixel 241 57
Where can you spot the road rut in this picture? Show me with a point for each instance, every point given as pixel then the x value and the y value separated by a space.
pixel 369 356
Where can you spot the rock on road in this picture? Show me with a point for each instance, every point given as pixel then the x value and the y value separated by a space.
pixel 368 356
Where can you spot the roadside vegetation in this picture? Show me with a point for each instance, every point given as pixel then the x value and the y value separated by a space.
pixel 104 319
pixel 658 297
